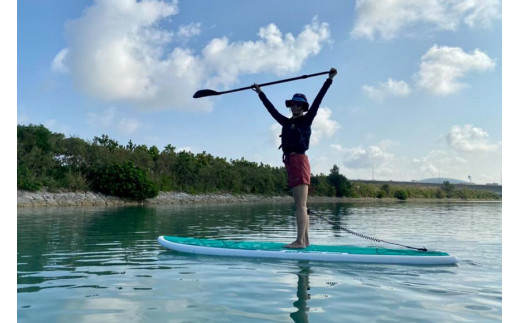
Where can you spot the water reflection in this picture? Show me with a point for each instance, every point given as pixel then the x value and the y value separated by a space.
pixel 337 214
pixel 71 261
pixel 303 295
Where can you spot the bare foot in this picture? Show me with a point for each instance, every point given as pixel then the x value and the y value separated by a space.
pixel 295 245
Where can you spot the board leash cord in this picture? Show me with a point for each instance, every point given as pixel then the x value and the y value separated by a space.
pixel 360 234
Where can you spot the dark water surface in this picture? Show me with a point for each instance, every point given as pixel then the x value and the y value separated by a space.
pixel 105 265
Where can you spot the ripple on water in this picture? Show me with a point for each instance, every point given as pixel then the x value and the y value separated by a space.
pixel 105 265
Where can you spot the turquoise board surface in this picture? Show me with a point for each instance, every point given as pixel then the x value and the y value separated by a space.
pixel 275 246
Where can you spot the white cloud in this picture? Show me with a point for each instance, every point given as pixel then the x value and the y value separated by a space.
pixel 105 119
pixel 58 65
pixel 373 162
pixel 481 12
pixel 389 19
pixel 470 139
pixel 128 126
pixel 275 130
pixel 273 52
pixel 115 49
pixel 189 30
pixel 361 157
pixel 390 88
pixel 438 163
pixel 117 52
pixel 322 127
pixel 379 162
pixel 338 148
pixel 442 67
pixel 111 118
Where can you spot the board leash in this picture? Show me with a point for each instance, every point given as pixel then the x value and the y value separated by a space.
pixel 360 234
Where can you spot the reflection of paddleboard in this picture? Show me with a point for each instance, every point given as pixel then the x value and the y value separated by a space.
pixel 265 249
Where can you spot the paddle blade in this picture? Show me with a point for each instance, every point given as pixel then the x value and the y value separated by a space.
pixel 203 93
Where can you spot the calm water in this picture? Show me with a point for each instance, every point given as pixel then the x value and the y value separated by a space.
pixel 104 265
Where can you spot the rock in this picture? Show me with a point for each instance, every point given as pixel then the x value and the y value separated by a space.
pixel 47 199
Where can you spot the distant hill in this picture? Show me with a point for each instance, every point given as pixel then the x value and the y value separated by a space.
pixel 440 180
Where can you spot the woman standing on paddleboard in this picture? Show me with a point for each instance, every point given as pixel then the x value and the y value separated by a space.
pixel 296 134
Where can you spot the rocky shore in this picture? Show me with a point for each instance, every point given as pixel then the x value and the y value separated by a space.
pixel 50 199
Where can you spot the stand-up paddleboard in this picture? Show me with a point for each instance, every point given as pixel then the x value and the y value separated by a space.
pixel 266 249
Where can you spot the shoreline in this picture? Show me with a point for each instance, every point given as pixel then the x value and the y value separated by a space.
pixel 26 199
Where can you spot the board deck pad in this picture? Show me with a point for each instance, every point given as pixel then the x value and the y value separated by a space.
pixel 267 249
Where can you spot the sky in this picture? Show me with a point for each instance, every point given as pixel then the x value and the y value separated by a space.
pixel 418 92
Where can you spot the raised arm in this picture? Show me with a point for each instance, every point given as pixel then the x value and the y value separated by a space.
pixel 313 110
pixel 281 119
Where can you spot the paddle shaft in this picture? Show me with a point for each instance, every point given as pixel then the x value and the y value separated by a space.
pixel 203 93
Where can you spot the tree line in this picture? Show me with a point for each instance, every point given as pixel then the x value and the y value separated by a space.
pixel 50 160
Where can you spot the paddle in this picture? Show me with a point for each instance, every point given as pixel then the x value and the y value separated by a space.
pixel 207 92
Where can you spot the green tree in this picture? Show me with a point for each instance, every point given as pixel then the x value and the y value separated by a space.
pixel 123 180
pixel 105 141
pixel 38 159
pixel 49 160
pixel 342 186
pixel 401 194
pixel 448 189
pixel 186 170
pixel 321 187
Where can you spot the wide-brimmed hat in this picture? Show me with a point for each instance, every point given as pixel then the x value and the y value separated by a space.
pixel 299 99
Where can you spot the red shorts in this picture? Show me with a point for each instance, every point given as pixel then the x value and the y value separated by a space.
pixel 298 170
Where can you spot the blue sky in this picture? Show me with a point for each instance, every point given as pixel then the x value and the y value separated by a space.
pixel 418 92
